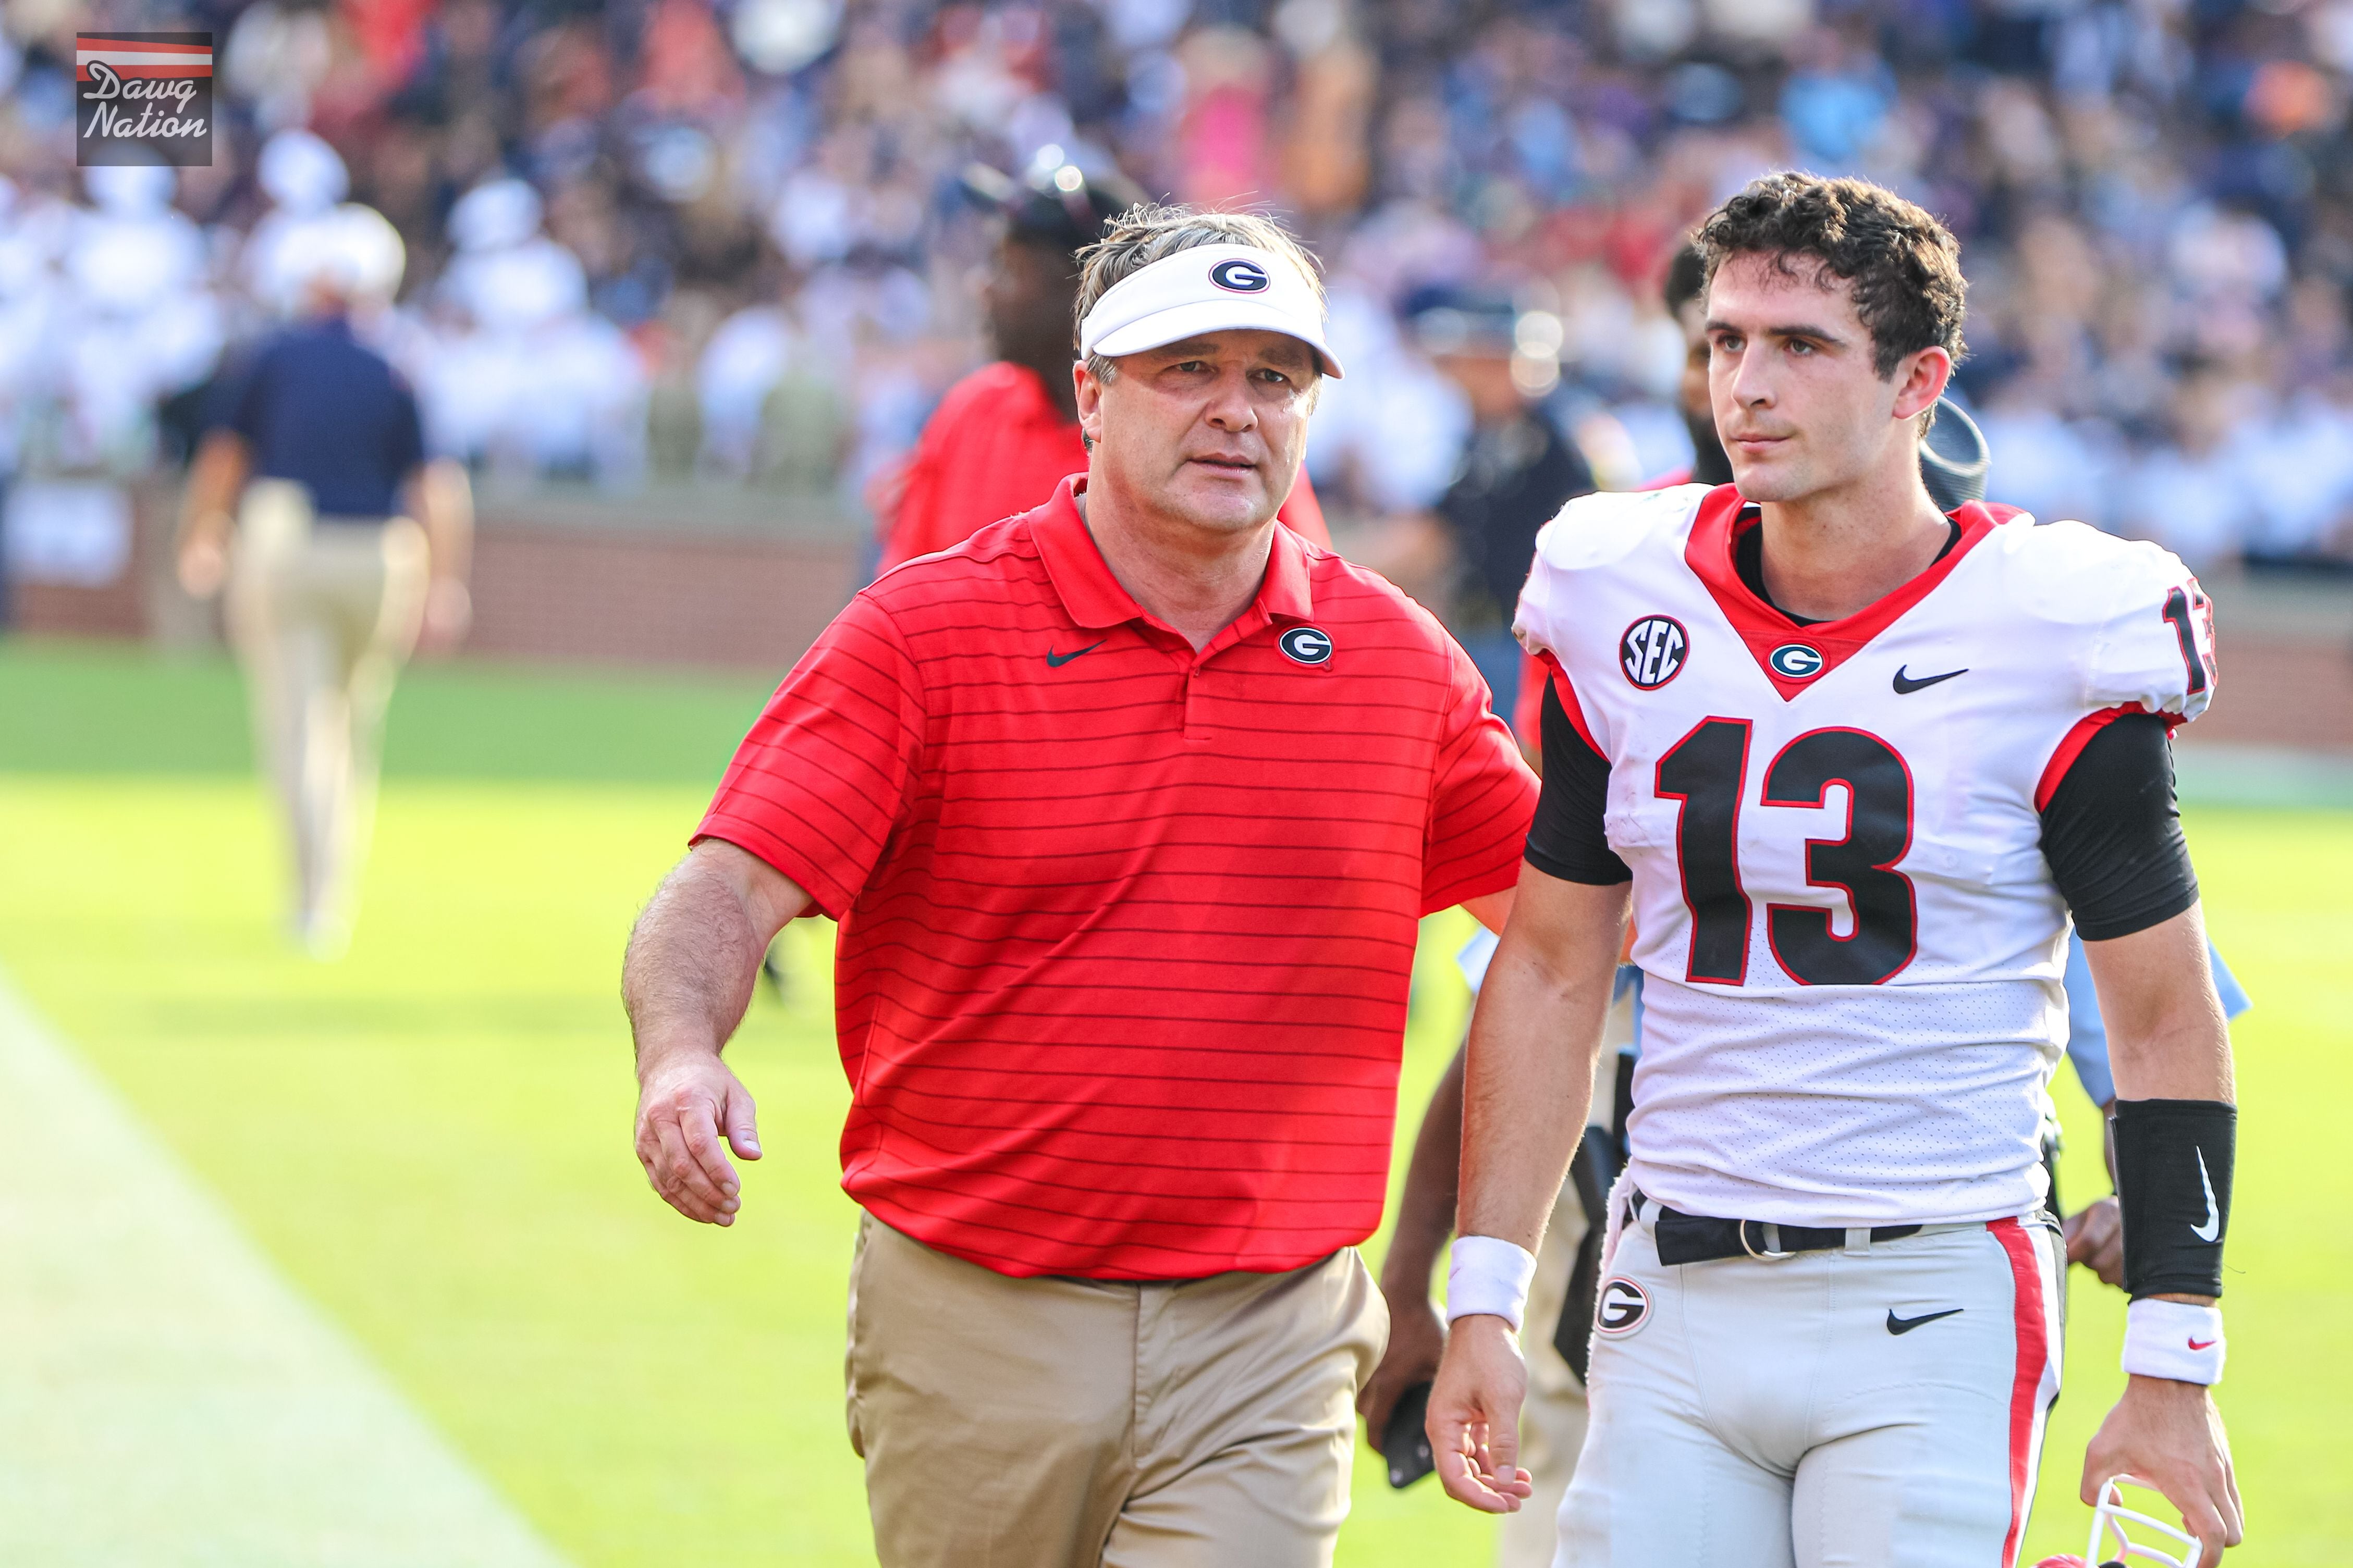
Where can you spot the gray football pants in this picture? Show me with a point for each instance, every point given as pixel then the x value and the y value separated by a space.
pixel 1880 1406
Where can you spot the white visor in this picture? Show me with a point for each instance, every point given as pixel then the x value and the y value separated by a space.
pixel 1208 288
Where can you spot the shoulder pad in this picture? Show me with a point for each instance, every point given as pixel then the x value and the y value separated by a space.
pixel 2144 632
pixel 2072 574
pixel 1597 529
pixel 1590 532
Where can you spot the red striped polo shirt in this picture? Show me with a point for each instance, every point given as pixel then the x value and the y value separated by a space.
pixel 1126 930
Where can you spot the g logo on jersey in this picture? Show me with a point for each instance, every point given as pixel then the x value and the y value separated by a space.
pixel 1796 661
pixel 1623 1307
pixel 1652 651
pixel 1239 276
pixel 1304 644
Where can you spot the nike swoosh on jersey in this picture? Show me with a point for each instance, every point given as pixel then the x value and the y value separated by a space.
pixel 1906 685
pixel 1056 661
pixel 1896 1325
pixel 2214 1226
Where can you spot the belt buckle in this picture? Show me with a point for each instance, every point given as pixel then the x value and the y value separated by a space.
pixel 1772 1235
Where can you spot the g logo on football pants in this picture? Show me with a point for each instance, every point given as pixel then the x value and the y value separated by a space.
pixel 1623 1308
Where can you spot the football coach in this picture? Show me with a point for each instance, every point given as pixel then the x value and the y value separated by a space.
pixel 1128 807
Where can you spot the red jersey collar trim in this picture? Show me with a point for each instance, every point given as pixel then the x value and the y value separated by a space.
pixel 1092 594
pixel 1286 591
pixel 1717 528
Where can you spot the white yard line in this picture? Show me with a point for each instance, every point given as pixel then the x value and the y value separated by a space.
pixel 168 1397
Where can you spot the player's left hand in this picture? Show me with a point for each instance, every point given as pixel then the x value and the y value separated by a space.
pixel 2169 1437
pixel 2095 1238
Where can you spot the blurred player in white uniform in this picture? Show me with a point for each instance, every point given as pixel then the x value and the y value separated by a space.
pixel 1861 763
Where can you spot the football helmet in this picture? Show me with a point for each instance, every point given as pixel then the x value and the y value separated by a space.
pixel 2111 1548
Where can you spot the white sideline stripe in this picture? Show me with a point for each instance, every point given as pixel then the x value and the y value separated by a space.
pixel 167 1398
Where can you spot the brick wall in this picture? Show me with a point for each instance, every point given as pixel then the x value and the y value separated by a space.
pixel 116 609
pixel 736 579
pixel 725 579
pixel 641 596
pixel 2280 691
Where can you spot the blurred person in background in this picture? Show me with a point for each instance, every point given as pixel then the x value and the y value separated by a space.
pixel 1686 298
pixel 519 371
pixel 306 182
pixel 2193 493
pixel 311 501
pixel 1005 435
pixel 1517 468
pixel 136 320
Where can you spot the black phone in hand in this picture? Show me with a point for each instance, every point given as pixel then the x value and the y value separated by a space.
pixel 1405 1442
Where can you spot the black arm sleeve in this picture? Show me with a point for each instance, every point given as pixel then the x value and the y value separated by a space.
pixel 1566 840
pixel 2176 1211
pixel 2112 833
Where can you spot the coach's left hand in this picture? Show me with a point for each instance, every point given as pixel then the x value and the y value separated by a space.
pixel 2169 1435
pixel 1475 1415
pixel 1417 1342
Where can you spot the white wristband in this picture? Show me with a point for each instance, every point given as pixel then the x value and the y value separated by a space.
pixel 1488 1274
pixel 2174 1339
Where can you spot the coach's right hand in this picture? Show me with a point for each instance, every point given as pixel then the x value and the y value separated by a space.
pixel 687 1100
pixel 1475 1415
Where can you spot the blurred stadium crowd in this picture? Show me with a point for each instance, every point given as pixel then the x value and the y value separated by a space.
pixel 677 238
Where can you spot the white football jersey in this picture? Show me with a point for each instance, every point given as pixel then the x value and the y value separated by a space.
pixel 1852 942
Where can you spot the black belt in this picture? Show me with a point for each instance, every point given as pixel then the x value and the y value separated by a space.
pixel 1698 1239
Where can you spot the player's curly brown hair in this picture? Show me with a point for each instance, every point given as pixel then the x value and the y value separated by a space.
pixel 1904 266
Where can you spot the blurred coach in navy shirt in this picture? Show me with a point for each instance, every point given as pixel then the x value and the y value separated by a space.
pixel 341 547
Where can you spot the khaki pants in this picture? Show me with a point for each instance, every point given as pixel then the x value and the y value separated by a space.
pixel 323 618
pixel 1070 1423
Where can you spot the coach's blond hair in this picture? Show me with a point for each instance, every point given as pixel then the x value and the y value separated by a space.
pixel 1152 231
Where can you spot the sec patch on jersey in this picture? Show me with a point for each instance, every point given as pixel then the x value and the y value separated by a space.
pixel 1652 651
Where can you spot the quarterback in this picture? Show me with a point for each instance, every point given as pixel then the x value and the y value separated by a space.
pixel 1852 765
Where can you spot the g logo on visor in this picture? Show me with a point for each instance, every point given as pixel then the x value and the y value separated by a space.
pixel 1239 276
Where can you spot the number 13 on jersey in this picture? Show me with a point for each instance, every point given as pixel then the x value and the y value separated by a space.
pixel 1706 773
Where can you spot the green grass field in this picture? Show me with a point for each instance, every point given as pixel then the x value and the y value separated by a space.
pixel 431 1139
